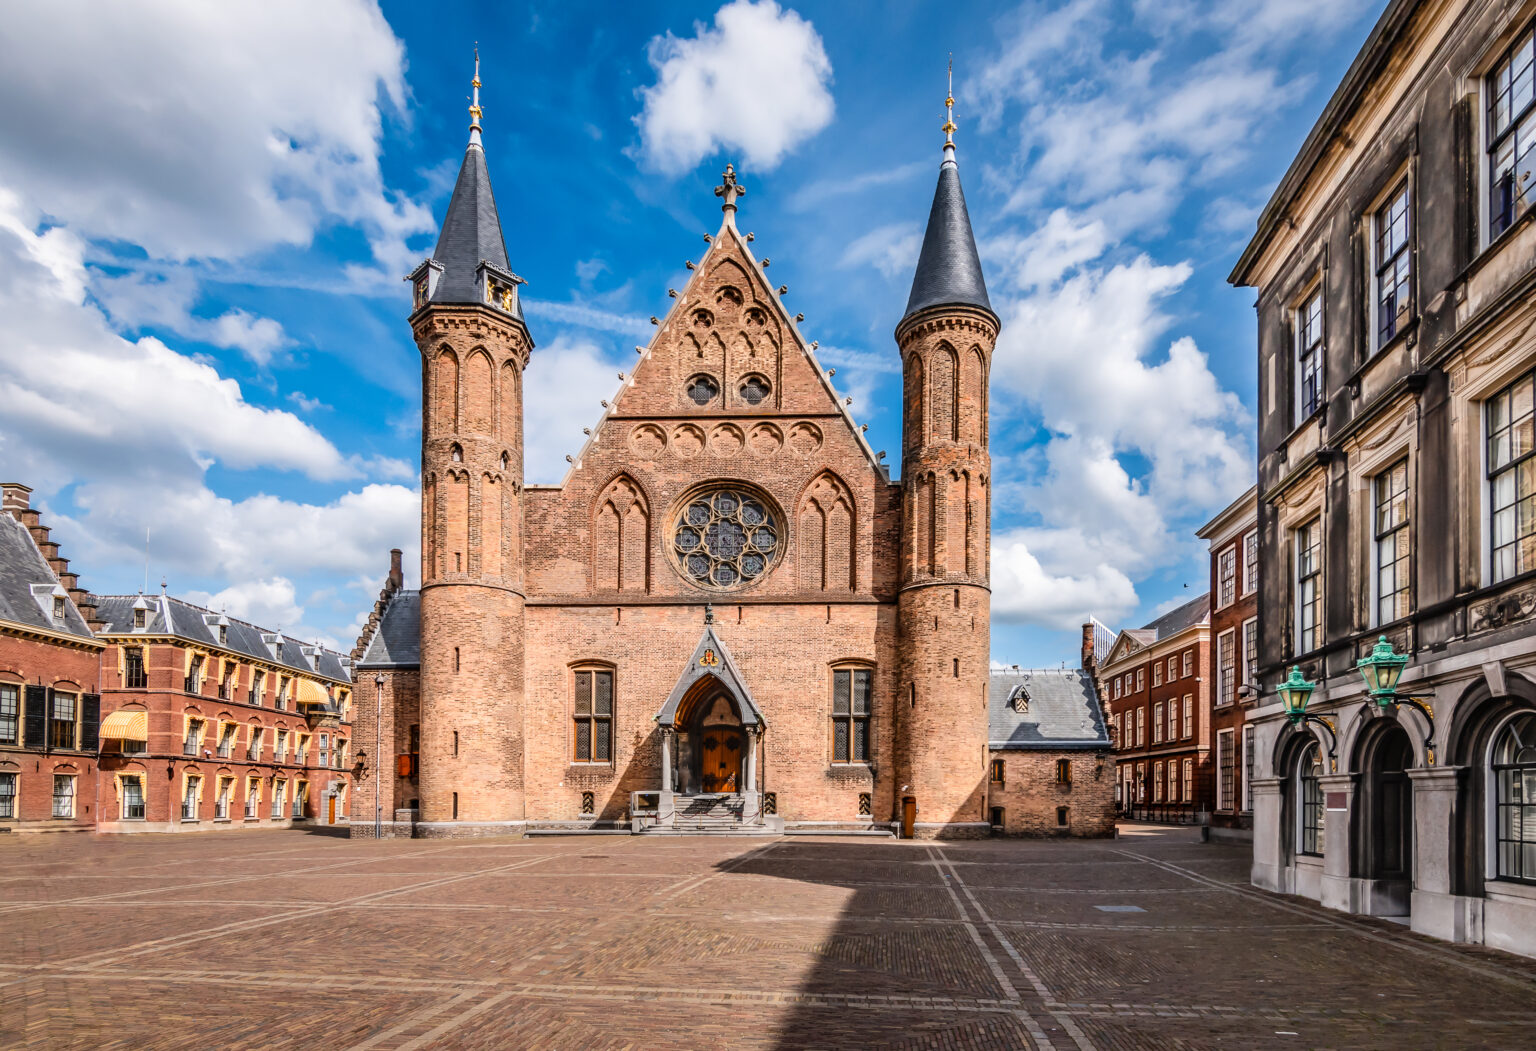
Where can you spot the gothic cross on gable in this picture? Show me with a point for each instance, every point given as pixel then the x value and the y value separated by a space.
pixel 730 189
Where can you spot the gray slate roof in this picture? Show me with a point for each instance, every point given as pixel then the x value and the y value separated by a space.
pixel 397 641
pixel 1176 620
pixel 948 268
pixel 173 616
pixel 471 234
pixel 1062 714
pixel 21 566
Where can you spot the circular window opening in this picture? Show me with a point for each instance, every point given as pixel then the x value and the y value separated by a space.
pixel 725 538
pixel 754 389
pixel 702 390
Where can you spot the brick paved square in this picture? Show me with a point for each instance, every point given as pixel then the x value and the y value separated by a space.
pixel 284 938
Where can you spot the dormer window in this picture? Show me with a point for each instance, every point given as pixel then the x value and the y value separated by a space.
pixel 140 619
pixel 419 292
pixel 1020 699
pixel 223 634
pixel 58 609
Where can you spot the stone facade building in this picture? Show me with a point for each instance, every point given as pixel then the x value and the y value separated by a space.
pixel 1049 770
pixel 209 722
pixel 1396 275
pixel 728 612
pixel 1232 667
pixel 50 707
pixel 1154 687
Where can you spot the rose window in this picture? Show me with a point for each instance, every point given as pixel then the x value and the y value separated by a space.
pixel 725 539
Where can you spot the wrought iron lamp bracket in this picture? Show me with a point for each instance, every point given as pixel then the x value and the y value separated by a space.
pixel 1428 712
pixel 1306 718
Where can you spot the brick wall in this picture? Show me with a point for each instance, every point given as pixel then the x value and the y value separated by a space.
pixel 1031 794
pixel 73 668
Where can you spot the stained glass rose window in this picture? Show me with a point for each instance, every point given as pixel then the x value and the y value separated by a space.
pixel 725 538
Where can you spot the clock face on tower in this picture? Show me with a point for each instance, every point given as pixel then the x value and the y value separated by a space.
pixel 725 537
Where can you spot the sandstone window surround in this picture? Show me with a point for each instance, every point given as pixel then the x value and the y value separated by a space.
pixel 852 697
pixel 221 802
pixel 1392 264
pixel 65 720
pixel 252 798
pixel 1511 460
pixel 592 691
pixel 1391 544
pixel 1308 585
pixel 10 713
pixel 1512 776
pixel 132 797
pixel 63 795
pixel 1511 102
pixel 1307 329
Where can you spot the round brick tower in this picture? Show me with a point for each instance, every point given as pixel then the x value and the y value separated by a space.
pixel 468 324
pixel 946 339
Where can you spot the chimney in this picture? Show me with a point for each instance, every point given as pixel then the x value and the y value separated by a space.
pixel 14 498
pixel 396 574
pixel 1088 654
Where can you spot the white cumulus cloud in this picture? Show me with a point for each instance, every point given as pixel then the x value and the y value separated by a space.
pixel 757 83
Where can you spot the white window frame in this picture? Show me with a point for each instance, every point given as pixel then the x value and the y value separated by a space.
pixel 1189 715
pixel 1226 744
pixel 1226 649
pixel 1299 414
pixel 1248 757
pixel 1157 722
pixel 1298 603
pixel 1141 727
pixel 1374 563
pixel 1157 673
pixel 1251 562
pixel 1173 718
pixel 1250 663
pixel 1401 181
pixel 1226 576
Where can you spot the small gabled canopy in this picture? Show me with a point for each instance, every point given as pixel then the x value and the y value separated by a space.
pixel 711 660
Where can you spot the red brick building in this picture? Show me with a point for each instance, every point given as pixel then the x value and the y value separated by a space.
pixel 728 612
pixel 209 722
pixel 1233 537
pixel 49 701
pixel 1156 691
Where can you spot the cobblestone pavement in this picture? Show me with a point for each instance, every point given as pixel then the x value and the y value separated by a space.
pixel 293 939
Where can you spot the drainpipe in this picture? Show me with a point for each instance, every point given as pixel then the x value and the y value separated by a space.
pixel 378 755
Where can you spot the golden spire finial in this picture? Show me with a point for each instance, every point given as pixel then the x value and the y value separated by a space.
pixel 474 101
pixel 949 111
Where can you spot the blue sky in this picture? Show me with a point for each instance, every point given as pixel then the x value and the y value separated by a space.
pixel 206 210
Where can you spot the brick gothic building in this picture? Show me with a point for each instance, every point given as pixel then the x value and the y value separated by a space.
pixel 1154 686
pixel 728 611
pixel 1233 658
pixel 49 703
pixel 1395 269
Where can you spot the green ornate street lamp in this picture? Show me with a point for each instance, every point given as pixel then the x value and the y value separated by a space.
pixel 1295 692
pixel 1381 671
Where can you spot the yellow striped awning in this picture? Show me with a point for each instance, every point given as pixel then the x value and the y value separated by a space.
pixel 129 725
pixel 311 692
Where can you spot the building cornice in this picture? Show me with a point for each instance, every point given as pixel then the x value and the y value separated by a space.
pixel 11 627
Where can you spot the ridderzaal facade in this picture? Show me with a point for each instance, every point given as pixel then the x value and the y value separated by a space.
pixel 728 614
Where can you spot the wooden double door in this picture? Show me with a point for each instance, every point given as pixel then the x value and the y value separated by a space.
pixel 722 751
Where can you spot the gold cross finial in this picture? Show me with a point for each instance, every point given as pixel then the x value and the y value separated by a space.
pixel 949 107
pixel 474 101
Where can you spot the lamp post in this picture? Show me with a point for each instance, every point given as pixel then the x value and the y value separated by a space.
pixel 1381 670
pixel 1295 692
pixel 378 755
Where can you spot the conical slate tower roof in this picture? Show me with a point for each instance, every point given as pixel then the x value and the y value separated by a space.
pixel 471 233
pixel 948 269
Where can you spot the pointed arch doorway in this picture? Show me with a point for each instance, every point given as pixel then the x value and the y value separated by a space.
pixel 710 728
